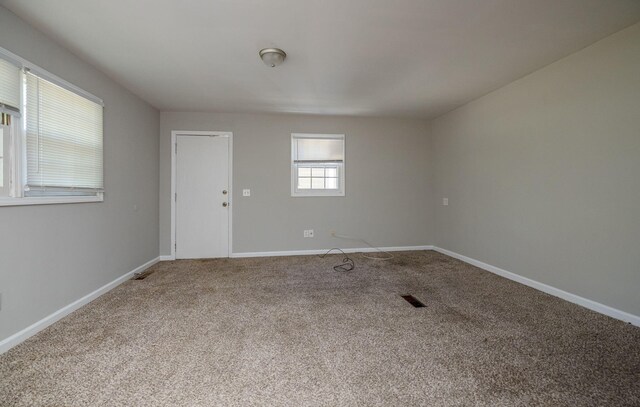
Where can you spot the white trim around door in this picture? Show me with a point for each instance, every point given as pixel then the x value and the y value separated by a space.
pixel 174 135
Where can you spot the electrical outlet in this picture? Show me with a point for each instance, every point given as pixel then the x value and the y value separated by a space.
pixel 445 201
pixel 308 233
pixel 246 192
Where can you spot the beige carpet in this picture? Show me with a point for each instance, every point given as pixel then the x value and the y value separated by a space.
pixel 293 332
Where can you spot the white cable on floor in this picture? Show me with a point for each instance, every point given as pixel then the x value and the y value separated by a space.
pixel 389 255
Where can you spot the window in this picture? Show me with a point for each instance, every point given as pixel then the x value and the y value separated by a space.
pixel 64 141
pixel 9 110
pixel 52 137
pixel 3 163
pixel 317 164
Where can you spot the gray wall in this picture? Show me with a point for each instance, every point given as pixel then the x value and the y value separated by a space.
pixel 543 175
pixel 80 247
pixel 388 190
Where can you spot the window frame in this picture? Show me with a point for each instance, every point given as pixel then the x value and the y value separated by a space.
pixel 340 166
pixel 5 177
pixel 15 196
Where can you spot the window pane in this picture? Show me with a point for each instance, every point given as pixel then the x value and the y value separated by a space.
pixel 304 183
pixel 331 172
pixel 64 138
pixel 317 183
pixel 304 172
pixel 331 183
pixel 317 172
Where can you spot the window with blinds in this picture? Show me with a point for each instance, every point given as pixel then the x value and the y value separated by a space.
pixel 9 87
pixel 10 76
pixel 317 164
pixel 64 140
pixel 51 137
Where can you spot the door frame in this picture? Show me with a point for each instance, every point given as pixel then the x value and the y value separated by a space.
pixel 174 140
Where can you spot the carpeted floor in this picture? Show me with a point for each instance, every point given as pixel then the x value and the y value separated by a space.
pixel 290 331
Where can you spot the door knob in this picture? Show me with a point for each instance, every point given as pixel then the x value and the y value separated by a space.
pixel 224 192
pixel 225 204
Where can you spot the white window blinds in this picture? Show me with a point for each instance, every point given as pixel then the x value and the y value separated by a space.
pixel 9 88
pixel 64 140
pixel 318 149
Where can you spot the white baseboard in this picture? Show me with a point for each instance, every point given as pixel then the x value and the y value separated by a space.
pixel 29 331
pixel 576 299
pixel 313 252
pixel 323 251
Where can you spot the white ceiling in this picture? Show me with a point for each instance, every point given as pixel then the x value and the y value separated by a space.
pixel 414 58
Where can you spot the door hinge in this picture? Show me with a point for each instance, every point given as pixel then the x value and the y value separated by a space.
pixel 176 148
pixel 175 198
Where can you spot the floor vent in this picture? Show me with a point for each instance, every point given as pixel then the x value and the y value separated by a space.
pixel 413 301
pixel 143 275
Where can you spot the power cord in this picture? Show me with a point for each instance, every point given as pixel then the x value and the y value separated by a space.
pixel 347 262
pixel 388 256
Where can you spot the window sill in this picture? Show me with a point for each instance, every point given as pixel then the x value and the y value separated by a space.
pixel 316 194
pixel 48 200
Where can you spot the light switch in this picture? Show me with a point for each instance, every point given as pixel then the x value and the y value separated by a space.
pixel 246 192
pixel 445 201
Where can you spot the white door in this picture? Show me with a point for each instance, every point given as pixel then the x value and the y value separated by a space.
pixel 202 196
